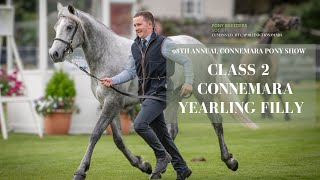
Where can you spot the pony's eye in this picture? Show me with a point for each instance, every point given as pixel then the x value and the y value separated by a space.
pixel 69 27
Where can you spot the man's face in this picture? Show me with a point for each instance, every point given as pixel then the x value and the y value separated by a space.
pixel 142 27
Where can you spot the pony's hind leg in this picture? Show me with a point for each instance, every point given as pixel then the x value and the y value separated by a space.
pixel 216 121
pixel 267 112
pixel 106 116
pixel 286 116
pixel 171 117
pixel 135 161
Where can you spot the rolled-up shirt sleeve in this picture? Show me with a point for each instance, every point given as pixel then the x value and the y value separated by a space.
pixel 181 59
pixel 127 74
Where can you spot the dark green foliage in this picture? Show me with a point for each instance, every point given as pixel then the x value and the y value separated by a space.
pixel 59 94
pixel 309 13
pixel 60 85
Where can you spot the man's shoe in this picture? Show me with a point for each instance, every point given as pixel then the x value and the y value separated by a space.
pixel 161 165
pixel 184 175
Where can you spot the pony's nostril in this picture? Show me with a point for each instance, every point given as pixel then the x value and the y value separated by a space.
pixel 55 54
pixel 51 56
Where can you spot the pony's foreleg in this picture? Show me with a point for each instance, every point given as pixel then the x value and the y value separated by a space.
pixel 246 96
pixel 266 98
pixel 135 161
pixel 226 157
pixel 216 121
pixel 171 117
pixel 106 116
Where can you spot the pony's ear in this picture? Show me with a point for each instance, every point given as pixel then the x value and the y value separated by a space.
pixel 71 9
pixel 59 7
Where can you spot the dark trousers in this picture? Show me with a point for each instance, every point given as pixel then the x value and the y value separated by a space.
pixel 150 125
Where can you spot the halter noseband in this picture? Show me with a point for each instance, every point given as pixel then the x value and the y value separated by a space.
pixel 69 44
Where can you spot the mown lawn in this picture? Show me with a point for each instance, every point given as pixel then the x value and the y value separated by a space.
pixel 279 150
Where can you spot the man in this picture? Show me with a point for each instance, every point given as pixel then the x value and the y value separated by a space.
pixel 148 60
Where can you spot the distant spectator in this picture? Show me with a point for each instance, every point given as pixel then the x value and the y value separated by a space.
pixel 158 27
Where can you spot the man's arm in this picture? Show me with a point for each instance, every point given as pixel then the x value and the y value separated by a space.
pixel 181 59
pixel 127 74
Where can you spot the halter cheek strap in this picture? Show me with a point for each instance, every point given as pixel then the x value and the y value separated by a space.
pixel 69 47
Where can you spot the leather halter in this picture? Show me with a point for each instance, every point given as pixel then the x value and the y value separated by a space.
pixel 69 47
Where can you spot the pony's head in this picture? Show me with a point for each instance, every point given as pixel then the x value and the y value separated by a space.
pixel 69 33
pixel 279 23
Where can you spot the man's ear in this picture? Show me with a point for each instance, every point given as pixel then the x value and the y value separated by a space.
pixel 150 24
pixel 71 9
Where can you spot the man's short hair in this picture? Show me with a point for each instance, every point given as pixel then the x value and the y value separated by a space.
pixel 146 15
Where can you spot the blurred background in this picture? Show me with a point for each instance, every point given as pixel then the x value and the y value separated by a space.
pixel 278 150
pixel 34 21
pixel 191 17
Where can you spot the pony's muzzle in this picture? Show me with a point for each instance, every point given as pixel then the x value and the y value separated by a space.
pixel 55 55
pixel 295 22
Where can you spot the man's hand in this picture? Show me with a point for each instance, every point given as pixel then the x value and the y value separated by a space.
pixel 186 89
pixel 106 81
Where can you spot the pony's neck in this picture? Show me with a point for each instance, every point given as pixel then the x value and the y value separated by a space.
pixel 267 39
pixel 96 35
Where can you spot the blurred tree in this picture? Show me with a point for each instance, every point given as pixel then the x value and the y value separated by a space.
pixel 83 4
pixel 311 23
pixel 26 18
pixel 309 32
pixel 25 21
pixel 25 10
pixel 256 7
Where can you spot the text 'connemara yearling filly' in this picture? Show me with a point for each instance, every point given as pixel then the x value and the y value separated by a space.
pixel 107 54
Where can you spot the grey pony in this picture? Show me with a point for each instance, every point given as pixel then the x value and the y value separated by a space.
pixel 107 54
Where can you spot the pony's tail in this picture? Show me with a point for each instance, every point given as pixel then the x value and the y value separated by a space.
pixel 227 98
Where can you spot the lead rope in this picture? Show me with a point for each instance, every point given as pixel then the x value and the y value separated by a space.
pixel 82 68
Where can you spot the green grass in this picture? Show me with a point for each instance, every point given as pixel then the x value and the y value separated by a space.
pixel 277 150
pixel 281 150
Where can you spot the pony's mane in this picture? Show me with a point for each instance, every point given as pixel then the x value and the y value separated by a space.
pixel 65 13
pixel 261 28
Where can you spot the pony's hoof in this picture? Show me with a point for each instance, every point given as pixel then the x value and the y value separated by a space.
pixel 287 117
pixel 270 116
pixel 232 164
pixel 266 115
pixel 164 171
pixel 155 176
pixel 79 176
pixel 148 168
pixel 144 166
